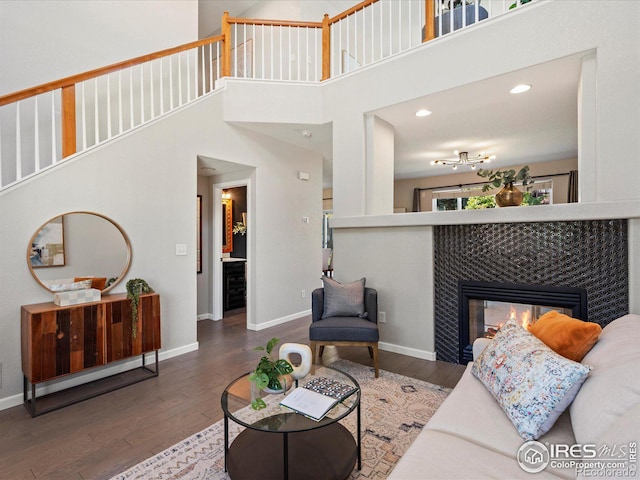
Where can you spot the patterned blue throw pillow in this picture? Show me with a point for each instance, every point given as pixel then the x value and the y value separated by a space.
pixel 531 382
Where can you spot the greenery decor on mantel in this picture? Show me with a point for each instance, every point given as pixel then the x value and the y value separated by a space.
pixel 268 373
pixel 509 195
pixel 135 288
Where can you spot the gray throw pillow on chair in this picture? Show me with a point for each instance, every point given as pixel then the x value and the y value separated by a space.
pixel 343 300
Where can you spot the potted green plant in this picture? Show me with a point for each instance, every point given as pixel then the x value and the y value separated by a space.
pixel 270 374
pixel 135 288
pixel 509 195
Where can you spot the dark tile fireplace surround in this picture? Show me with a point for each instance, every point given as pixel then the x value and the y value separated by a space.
pixel 590 255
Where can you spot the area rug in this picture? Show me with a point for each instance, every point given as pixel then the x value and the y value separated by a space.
pixel 395 408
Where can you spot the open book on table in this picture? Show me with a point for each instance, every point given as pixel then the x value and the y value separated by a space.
pixel 317 397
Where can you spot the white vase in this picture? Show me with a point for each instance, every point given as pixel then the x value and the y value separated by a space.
pixel 306 358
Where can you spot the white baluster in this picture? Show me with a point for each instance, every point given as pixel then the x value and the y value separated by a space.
pixel 195 73
pixel 84 118
pixel 109 134
pixel 120 106
pixel 306 52
pixel 131 119
pixel 141 93
pixel 235 50
pixel 36 134
pixel 180 78
pixel 188 77
pixel 170 83
pixel 364 37
pixel 18 145
pixel 380 32
pixel 244 53
pixel 289 56
pixel 263 42
pixel 210 67
pixel 280 29
pixel 54 148
pixel 271 69
pixel 151 90
pixel 96 120
pixel 390 30
pixel 253 52
pixel 202 69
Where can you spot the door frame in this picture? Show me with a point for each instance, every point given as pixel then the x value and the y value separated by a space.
pixel 216 256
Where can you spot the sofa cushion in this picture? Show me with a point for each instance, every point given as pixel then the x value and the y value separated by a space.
pixel 437 455
pixel 470 412
pixel 567 336
pixel 531 382
pixel 613 388
pixel 343 300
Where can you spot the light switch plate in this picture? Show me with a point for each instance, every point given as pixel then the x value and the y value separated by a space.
pixel 181 249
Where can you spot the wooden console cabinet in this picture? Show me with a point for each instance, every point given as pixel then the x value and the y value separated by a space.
pixel 60 341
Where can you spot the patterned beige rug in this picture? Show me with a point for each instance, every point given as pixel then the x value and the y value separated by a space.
pixel 394 410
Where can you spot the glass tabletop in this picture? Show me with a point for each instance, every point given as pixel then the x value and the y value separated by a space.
pixel 237 397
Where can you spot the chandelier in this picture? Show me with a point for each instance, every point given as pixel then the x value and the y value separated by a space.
pixel 465 159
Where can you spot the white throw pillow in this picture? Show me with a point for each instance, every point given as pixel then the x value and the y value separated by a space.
pixel 531 382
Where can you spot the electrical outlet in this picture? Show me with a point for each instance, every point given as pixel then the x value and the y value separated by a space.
pixel 382 317
pixel 303 294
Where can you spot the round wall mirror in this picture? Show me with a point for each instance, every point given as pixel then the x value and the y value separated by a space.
pixel 79 247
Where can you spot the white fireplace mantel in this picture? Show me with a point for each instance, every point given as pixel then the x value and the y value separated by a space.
pixel 542 213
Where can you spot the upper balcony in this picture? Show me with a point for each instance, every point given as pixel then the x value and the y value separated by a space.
pixel 45 125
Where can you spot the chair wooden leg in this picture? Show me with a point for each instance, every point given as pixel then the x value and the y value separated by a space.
pixel 370 351
pixel 313 347
pixel 375 359
pixel 321 350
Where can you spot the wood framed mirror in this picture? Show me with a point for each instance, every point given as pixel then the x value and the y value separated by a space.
pixel 92 247
pixel 227 225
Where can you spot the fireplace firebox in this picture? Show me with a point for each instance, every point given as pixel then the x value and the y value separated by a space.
pixel 484 306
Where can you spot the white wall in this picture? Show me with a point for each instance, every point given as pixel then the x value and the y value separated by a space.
pixel 42 40
pixel 541 33
pixel 146 181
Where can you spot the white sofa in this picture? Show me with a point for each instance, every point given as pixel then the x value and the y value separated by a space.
pixel 470 436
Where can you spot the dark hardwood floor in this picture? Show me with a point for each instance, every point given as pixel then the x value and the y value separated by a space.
pixel 101 437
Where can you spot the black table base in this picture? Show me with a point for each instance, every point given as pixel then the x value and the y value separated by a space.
pixel 327 453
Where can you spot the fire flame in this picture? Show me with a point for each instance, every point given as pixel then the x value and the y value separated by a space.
pixel 525 318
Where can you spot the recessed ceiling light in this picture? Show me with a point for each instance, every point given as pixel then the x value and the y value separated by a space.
pixel 306 133
pixel 520 88
pixel 423 113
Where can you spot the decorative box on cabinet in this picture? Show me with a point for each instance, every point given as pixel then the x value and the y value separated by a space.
pixel 60 341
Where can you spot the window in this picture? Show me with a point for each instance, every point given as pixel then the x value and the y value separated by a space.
pixel 473 198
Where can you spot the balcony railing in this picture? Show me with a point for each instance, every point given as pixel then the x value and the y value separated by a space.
pixel 42 126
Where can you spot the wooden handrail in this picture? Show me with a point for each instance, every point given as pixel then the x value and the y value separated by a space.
pixel 274 23
pixel 81 77
pixel 352 10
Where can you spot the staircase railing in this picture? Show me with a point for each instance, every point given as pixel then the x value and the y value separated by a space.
pixel 43 125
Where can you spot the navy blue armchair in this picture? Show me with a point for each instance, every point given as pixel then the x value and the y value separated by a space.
pixel 345 331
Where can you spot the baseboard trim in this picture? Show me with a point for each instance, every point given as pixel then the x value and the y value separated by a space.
pixel 278 321
pixel 54 386
pixel 411 352
pixel 207 316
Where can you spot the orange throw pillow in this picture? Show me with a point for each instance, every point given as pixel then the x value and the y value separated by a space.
pixel 570 337
pixel 96 282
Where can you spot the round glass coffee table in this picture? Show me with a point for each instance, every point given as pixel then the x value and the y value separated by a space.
pixel 280 443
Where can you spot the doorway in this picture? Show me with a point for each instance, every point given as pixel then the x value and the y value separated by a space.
pixel 232 257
